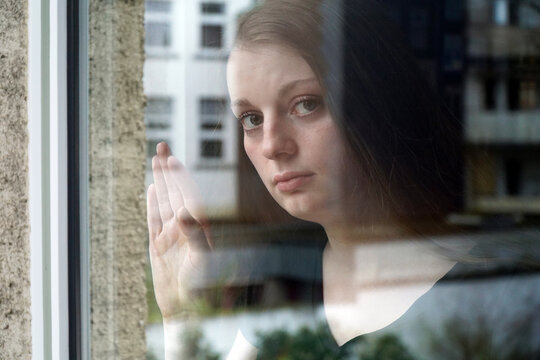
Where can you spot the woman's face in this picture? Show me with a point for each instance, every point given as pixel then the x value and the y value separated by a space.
pixel 289 134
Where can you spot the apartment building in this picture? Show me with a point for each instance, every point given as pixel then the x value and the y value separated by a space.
pixel 187 45
pixel 502 107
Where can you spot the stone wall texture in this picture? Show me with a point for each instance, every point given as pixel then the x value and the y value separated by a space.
pixel 116 186
pixel 15 317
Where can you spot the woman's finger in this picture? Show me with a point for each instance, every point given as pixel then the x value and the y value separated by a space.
pixel 162 192
pixel 191 195
pixel 175 195
pixel 163 149
pixel 188 187
pixel 193 230
pixel 152 212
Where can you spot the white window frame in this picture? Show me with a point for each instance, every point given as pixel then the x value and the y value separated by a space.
pixel 47 149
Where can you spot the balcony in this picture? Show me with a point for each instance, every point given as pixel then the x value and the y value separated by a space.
pixel 517 127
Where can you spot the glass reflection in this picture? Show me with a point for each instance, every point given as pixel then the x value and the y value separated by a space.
pixel 426 243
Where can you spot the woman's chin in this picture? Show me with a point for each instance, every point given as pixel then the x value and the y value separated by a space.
pixel 303 208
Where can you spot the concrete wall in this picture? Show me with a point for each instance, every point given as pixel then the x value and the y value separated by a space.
pixel 15 331
pixel 117 167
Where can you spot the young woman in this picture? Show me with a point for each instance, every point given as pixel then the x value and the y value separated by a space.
pixel 359 145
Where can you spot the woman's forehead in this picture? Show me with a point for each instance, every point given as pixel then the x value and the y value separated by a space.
pixel 271 65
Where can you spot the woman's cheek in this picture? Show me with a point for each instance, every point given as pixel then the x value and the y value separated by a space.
pixel 250 150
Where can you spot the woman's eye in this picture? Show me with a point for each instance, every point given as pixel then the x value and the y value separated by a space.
pixel 306 107
pixel 250 121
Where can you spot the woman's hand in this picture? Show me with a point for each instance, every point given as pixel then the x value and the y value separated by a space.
pixel 179 234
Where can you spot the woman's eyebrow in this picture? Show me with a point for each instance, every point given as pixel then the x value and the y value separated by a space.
pixel 285 89
pixel 241 102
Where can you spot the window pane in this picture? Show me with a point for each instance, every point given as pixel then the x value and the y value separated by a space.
pixel 158 113
pixel 434 181
pixel 158 34
pixel 161 6
pixel 419 24
pixel 212 36
pixel 500 12
pixel 211 148
pixel 453 10
pixel 212 8
pixel 213 107
pixel 489 94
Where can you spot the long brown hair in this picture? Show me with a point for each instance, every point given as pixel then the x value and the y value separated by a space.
pixel 403 137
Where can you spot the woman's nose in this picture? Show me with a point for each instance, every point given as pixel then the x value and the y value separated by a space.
pixel 278 139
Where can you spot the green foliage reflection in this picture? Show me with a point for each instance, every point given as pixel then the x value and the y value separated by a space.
pixel 308 344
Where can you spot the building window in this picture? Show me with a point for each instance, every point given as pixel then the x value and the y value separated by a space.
pixel 418 25
pixel 528 95
pixel 213 24
pixel 512 93
pixel 500 12
pixel 522 94
pixel 212 36
pixel 211 149
pixel 480 11
pixel 454 10
pixel 528 14
pixel 489 93
pixel 157 6
pixel 513 12
pixel 212 8
pixel 158 113
pixel 453 53
pixel 513 171
pixel 157 119
pixel 158 34
pixel 212 112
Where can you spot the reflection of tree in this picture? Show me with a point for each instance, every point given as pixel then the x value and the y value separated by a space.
pixel 308 344
pixel 487 337
pixel 533 5
pixel 388 347
pixel 193 346
pixel 150 355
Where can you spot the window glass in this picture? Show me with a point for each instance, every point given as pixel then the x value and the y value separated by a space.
pixel 212 8
pixel 161 6
pixel 454 10
pixel 212 113
pixel 453 52
pixel 356 179
pixel 500 12
pixel 479 11
pixel 489 94
pixel 212 36
pixel 419 18
pixel 211 148
pixel 158 34
pixel 158 113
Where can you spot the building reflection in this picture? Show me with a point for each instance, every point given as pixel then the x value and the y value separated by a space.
pixel 502 107
pixel 481 56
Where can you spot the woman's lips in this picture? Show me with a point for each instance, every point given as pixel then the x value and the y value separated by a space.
pixel 291 181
